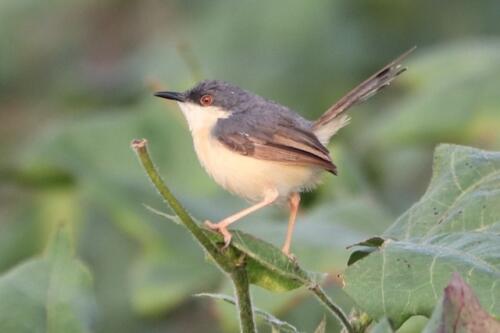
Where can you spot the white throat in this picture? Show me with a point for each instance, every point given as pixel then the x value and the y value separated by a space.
pixel 201 117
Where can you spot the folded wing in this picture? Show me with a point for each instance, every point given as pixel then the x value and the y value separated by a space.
pixel 273 140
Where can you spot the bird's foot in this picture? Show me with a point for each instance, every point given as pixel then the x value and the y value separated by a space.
pixel 286 251
pixel 222 229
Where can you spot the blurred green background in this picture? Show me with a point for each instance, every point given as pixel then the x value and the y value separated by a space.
pixel 76 84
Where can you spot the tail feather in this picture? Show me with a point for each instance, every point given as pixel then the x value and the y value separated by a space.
pixel 334 118
pixel 324 133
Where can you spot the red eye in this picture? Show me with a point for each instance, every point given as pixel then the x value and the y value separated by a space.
pixel 206 100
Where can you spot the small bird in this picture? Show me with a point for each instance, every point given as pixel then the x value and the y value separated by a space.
pixel 263 151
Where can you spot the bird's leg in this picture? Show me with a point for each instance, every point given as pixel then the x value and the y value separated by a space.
pixel 221 226
pixel 293 202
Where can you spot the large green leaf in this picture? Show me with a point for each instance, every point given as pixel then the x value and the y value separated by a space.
pixel 49 294
pixel 455 227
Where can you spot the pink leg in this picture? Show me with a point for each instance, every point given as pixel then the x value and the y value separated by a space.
pixel 293 202
pixel 221 226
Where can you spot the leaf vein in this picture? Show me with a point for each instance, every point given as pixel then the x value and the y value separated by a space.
pixel 458 198
pixel 493 298
pixel 382 283
pixel 431 272
pixel 453 171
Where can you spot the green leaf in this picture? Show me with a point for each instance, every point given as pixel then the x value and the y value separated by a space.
pixel 454 227
pixel 267 266
pixel 460 312
pixel 52 293
pixel 276 324
pixel 321 327
pixel 383 326
pixel 369 245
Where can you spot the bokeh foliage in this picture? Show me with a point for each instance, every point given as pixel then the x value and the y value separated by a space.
pixel 76 83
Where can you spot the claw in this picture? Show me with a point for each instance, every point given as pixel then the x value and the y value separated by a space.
pixel 222 229
pixel 286 252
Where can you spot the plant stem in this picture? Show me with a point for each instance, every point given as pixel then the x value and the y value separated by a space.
pixel 140 147
pixel 230 261
pixel 244 302
pixel 334 309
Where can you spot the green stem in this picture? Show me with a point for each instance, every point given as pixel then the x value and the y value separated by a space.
pixel 242 291
pixel 336 310
pixel 229 261
pixel 140 147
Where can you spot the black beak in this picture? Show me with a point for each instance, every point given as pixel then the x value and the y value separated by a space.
pixel 175 96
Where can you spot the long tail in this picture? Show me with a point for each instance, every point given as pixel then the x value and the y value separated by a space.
pixel 334 118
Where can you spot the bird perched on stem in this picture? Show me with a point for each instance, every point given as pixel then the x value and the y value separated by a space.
pixel 263 151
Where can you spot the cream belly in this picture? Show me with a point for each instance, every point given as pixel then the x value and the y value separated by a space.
pixel 248 177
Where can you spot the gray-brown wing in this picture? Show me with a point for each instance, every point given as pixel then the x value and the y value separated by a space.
pixel 291 145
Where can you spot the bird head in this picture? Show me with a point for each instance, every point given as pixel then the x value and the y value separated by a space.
pixel 208 101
